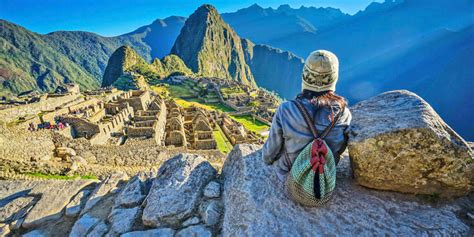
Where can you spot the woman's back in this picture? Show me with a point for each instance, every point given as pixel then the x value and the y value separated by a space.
pixel 289 133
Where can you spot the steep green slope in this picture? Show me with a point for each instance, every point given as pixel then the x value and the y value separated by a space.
pixel 172 64
pixel 124 59
pixel 27 62
pixel 91 51
pixel 284 67
pixel 210 47
pixel 30 61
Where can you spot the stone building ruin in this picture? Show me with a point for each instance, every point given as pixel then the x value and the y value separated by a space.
pixel 133 114
pixel 151 122
pixel 199 129
pixel 175 135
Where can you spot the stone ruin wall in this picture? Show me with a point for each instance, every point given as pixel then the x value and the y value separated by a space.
pixel 175 133
pixel 33 109
pixel 62 111
pixel 115 125
pixel 150 123
pixel 232 131
pixel 20 144
pixel 203 137
pixel 134 153
pixel 137 99
pixel 82 127
pixel 205 144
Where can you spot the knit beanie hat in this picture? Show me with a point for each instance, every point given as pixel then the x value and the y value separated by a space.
pixel 321 71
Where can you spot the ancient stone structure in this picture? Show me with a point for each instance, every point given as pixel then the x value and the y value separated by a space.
pixel 132 113
pixel 17 144
pixel 151 122
pixel 175 135
pixel 45 103
pixel 235 132
pixel 71 88
pixel 398 142
pixel 138 99
pixel 199 128
pixel 98 122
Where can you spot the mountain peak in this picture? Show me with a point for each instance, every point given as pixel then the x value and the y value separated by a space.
pixel 256 7
pixel 210 47
pixel 206 8
pixel 284 7
pixel 123 58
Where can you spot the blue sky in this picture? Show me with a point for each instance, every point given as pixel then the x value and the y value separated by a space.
pixel 114 17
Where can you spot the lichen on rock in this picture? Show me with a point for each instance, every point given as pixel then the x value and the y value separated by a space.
pixel 399 143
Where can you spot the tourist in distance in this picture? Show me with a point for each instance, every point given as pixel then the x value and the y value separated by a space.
pixel 309 134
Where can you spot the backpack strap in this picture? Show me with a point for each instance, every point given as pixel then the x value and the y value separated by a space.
pixel 333 123
pixel 310 122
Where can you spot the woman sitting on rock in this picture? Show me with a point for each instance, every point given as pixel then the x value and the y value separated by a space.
pixel 291 134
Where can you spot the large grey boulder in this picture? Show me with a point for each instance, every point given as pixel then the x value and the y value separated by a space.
pixel 13 210
pixel 34 233
pixel 54 196
pixel 398 142
pixel 74 207
pixel 194 231
pixel 211 212
pixel 83 225
pixel 212 190
pixel 177 190
pixel 255 205
pixel 163 232
pixel 132 194
pixel 191 221
pixel 122 220
pixel 99 230
pixel 110 184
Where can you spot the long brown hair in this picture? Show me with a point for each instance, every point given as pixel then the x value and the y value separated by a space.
pixel 324 99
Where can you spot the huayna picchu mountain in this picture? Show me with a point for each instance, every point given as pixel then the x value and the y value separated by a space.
pixel 121 61
pixel 210 47
pixel 126 68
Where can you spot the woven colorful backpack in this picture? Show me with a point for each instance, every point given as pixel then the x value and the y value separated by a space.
pixel 312 178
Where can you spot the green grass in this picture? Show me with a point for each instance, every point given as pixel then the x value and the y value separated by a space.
pixel 250 124
pixel 232 90
pixel 161 90
pixel 180 91
pixel 222 143
pixel 199 103
pixel 60 177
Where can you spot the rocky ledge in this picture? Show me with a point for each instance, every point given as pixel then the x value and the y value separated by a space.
pixel 398 142
pixel 188 198
pixel 255 205
pixel 183 198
